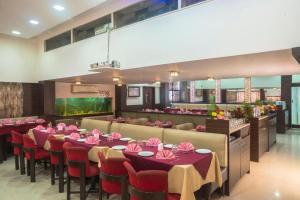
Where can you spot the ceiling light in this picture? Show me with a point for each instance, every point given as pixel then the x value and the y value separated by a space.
pixel 115 79
pixel 16 32
pixel 174 73
pixel 210 79
pixel 157 82
pixel 34 22
pixel 58 7
pixel 119 84
pixel 77 82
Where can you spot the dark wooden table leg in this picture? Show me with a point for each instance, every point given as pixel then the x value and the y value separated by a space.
pixel 1 149
pixel 22 162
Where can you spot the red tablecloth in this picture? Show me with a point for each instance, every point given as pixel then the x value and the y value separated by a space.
pixel 23 128
pixel 200 161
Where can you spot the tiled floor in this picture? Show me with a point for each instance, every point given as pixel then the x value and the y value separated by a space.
pixel 277 176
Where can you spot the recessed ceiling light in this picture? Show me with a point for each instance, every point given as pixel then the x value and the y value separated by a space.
pixel 15 32
pixel 119 84
pixel 157 82
pixel 174 73
pixel 116 79
pixel 77 82
pixel 58 7
pixel 210 79
pixel 34 22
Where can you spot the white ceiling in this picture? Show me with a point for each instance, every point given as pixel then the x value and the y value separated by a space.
pixel 15 14
pixel 261 64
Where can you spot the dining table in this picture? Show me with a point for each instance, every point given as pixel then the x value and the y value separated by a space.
pixel 5 130
pixel 187 172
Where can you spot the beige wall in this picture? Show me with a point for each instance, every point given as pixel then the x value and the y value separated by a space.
pixel 63 90
pixel 18 59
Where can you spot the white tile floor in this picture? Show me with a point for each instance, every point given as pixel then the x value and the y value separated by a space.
pixel 276 177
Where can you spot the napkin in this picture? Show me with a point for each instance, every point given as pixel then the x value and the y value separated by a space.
pixel 61 126
pixel 19 122
pixel 153 142
pixel 201 128
pixel 51 130
pixel 165 154
pixel 185 146
pixel 74 136
pixel 96 133
pixel 40 121
pixel 91 140
pixel 39 128
pixel 72 128
pixel 115 135
pixel 133 148
pixel 158 123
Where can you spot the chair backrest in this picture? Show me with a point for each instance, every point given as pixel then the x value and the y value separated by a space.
pixel 91 124
pixel 77 155
pixel 56 150
pixel 112 166
pixel 213 141
pixel 17 137
pixel 28 142
pixel 148 181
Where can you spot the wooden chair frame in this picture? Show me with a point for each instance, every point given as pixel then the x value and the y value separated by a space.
pixel 123 179
pixel 21 157
pixel 82 179
pixel 146 195
pixel 60 155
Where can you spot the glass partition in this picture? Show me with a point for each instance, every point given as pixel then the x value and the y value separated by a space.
pixel 58 41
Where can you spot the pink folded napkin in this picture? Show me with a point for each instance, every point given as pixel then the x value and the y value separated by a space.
pixel 7 121
pixel 61 126
pixel 200 128
pixel 40 121
pixel 133 147
pixel 74 136
pixel 91 140
pixel 39 128
pixel 153 142
pixel 96 131
pixel 185 146
pixel 51 130
pixel 72 128
pixel 165 154
pixel 158 123
pixel 20 122
pixel 115 135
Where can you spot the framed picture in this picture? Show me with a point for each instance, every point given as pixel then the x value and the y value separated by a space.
pixel 133 91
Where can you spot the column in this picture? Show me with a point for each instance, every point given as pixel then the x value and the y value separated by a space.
pixel 247 90
pixel 218 91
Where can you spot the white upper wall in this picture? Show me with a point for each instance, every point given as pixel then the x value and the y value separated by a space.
pixel 213 29
pixel 18 59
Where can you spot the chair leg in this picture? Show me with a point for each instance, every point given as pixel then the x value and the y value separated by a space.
pixel 52 174
pixel 207 191
pixel 22 163
pixel 61 178
pixel 68 187
pixel 45 164
pixel 124 189
pixel 82 187
pixel 28 167
pixel 16 162
pixel 1 149
pixel 32 169
pixel 100 189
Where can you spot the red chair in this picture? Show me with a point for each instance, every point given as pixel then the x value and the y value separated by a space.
pixel 113 176
pixel 79 167
pixel 57 161
pixel 150 184
pixel 32 155
pixel 17 143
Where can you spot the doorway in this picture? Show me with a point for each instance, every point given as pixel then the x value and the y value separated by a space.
pixel 296 106
pixel 148 97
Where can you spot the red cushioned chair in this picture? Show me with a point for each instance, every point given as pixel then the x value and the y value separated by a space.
pixel 113 176
pixel 33 154
pixel 150 184
pixel 57 161
pixel 79 167
pixel 17 143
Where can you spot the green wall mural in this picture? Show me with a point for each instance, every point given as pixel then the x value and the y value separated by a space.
pixel 81 106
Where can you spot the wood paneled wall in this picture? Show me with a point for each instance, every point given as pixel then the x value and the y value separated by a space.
pixel 33 99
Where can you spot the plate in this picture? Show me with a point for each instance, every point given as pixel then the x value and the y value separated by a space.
pixel 82 130
pixel 146 153
pixel 119 147
pixel 105 135
pixel 203 151
pixel 168 146
pixel 125 139
pixel 81 140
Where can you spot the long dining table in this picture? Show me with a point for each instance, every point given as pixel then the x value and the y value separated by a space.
pixel 5 130
pixel 186 173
